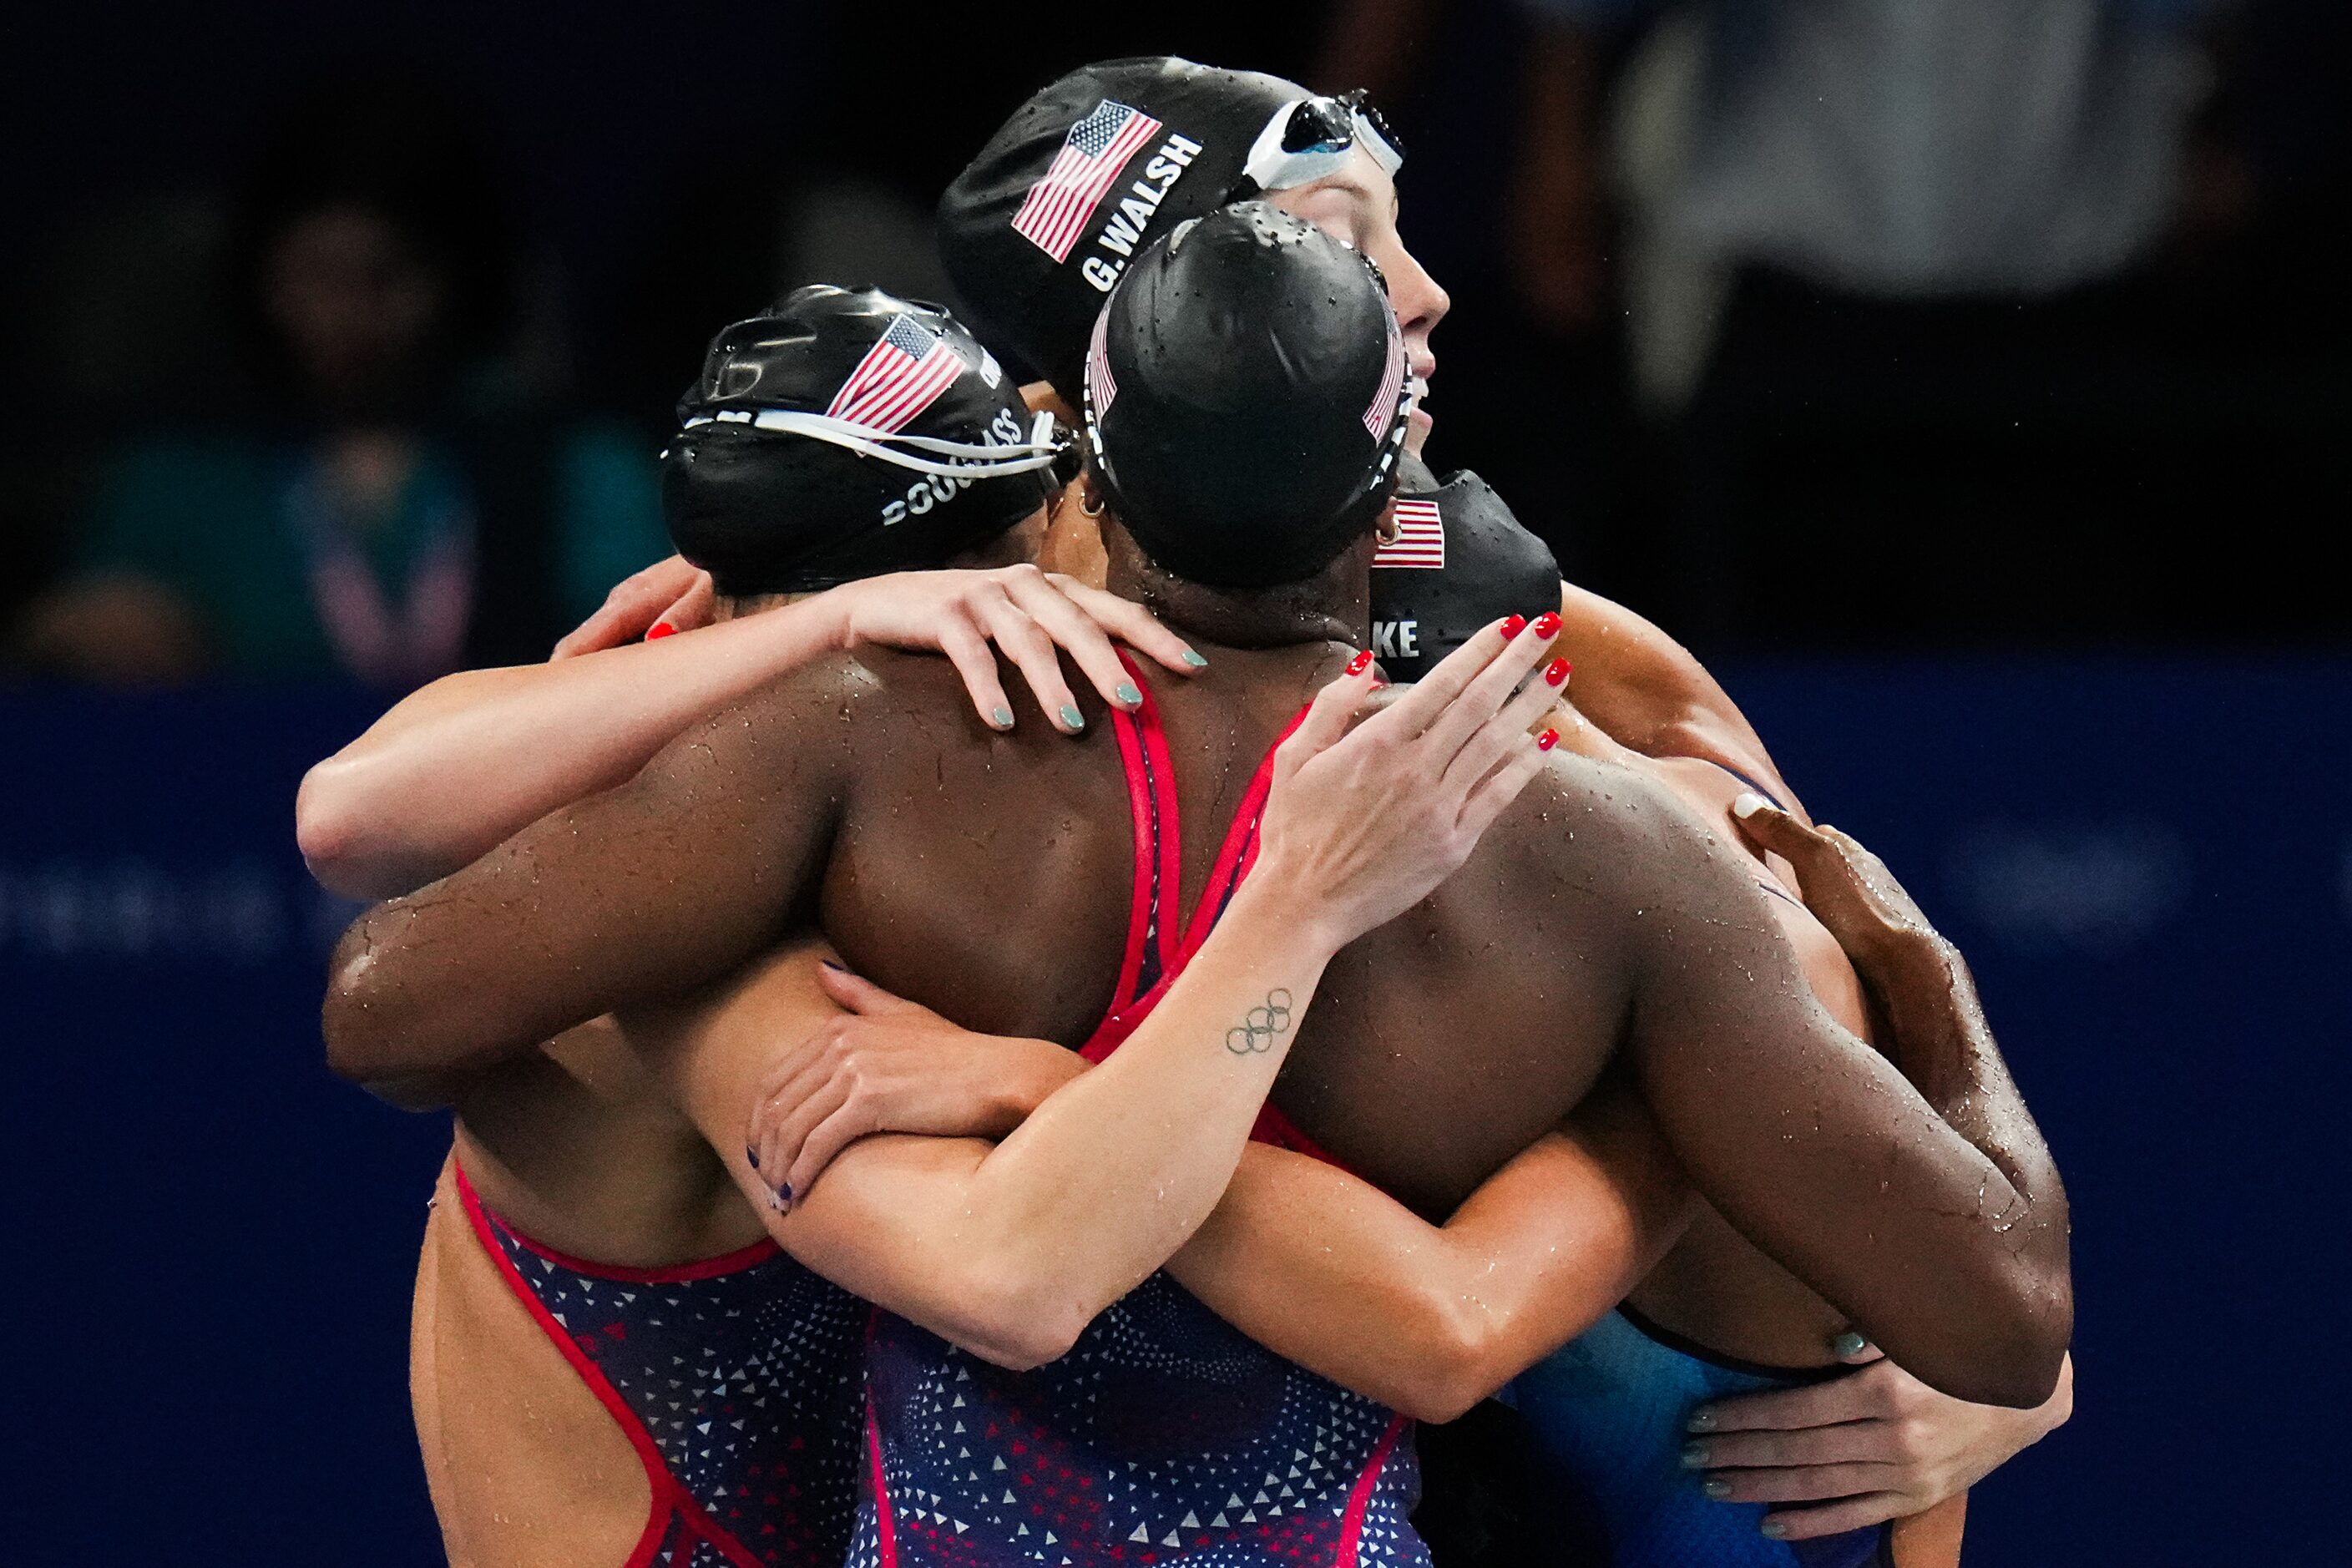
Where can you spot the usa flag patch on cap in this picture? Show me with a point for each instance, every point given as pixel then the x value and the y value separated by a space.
pixel 1059 206
pixel 898 378
pixel 1421 537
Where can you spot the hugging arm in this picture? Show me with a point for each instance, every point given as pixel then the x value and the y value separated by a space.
pixel 1646 692
pixel 666 882
pixel 456 768
pixel 1325 1269
pixel 1919 1200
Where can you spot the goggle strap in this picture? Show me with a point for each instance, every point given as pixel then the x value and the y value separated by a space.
pixel 980 461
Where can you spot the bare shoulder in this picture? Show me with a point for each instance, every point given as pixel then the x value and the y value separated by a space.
pixel 1623 841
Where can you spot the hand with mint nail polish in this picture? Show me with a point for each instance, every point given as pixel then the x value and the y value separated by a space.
pixel 1030 617
pixel 1072 719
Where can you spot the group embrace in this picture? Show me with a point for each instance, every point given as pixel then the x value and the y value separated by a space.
pixel 986 1027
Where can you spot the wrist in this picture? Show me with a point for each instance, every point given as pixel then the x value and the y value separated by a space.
pixel 1283 925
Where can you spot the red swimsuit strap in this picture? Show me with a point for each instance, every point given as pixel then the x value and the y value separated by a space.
pixel 1159 841
pixel 1151 920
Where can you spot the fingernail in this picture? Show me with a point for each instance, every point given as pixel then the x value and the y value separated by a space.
pixel 1377 683
pixel 837 968
pixel 1547 740
pixel 1694 1455
pixel 1772 1530
pixel 658 630
pixel 1195 660
pixel 1748 804
pixel 780 1200
pixel 1127 695
pixel 1849 1344
pixel 1555 671
pixel 751 1154
pixel 1547 626
pixel 1700 1421
pixel 1717 1489
pixel 1514 625
pixel 1073 718
pixel 1360 663
pixel 1002 718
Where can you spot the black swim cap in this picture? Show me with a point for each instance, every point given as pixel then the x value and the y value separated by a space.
pixel 1092 169
pixel 841 435
pixel 1461 562
pixel 1244 397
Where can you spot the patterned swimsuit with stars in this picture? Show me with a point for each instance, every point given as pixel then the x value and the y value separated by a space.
pixel 736 1379
pixel 1166 1434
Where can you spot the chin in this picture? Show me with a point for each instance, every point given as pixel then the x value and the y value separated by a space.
pixel 1417 426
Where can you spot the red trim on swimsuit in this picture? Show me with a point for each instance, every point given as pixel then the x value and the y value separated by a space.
pixel 1159 842
pixel 670 1500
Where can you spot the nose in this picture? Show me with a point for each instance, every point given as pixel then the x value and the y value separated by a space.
pixel 1420 304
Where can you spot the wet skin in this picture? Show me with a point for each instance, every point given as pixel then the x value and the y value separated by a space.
pixel 1596 923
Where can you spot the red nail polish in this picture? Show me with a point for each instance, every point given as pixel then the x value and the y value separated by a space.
pixel 1547 626
pixel 1547 740
pixel 1555 671
pixel 1514 625
pixel 1360 663
pixel 660 629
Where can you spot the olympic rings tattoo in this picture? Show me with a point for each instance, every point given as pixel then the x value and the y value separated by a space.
pixel 1255 1035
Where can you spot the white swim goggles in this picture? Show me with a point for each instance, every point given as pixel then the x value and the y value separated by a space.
pixel 1310 139
pixel 965 460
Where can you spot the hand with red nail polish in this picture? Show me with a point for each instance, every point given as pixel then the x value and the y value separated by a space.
pixel 659 630
pixel 1547 740
pixel 1360 663
pixel 1514 625
pixel 1556 672
pixel 1547 626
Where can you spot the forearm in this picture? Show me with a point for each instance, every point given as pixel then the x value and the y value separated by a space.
pixel 1648 692
pixel 1115 1170
pixel 459 766
pixel 1940 1040
pixel 1326 1270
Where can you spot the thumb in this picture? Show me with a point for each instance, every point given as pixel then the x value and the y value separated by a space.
pixel 1770 829
pixel 862 996
pixel 1327 718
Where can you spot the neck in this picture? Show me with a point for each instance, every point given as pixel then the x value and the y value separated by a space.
pixel 1333 605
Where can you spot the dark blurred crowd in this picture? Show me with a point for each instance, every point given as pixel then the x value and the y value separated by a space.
pixel 1799 324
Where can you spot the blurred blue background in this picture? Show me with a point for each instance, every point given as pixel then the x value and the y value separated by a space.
pixel 1971 393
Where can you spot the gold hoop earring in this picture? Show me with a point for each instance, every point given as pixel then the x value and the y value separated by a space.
pixel 1096 510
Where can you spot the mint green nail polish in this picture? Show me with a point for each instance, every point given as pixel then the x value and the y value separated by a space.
pixel 1003 718
pixel 1694 1455
pixel 1772 1530
pixel 1718 1491
pixel 1848 1343
pixel 1129 696
pixel 1700 1421
pixel 1195 660
pixel 1073 718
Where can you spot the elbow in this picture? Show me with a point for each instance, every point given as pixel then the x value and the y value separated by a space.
pixel 332 828
pixel 1454 1359
pixel 2018 1357
pixel 1015 1324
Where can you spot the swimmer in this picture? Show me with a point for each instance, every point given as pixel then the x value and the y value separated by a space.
pixel 582 1231
pixel 1335 162
pixel 906 892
